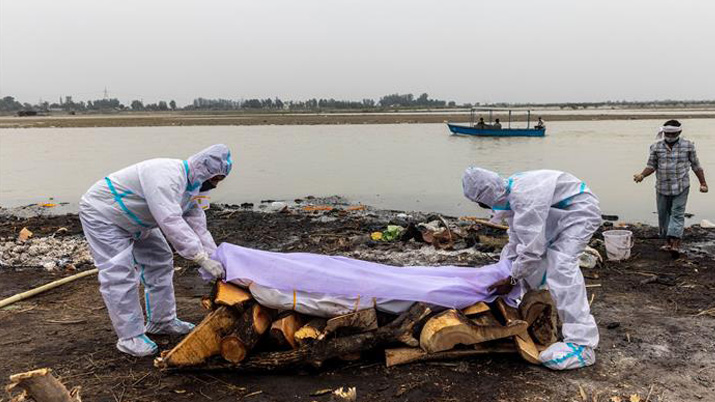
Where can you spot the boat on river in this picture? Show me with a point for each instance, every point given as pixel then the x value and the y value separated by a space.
pixel 494 129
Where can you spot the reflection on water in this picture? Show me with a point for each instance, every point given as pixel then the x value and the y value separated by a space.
pixel 408 166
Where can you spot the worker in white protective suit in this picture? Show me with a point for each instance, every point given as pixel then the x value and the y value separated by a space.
pixel 551 216
pixel 123 217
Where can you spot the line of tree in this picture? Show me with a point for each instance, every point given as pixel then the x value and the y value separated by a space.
pixel 392 101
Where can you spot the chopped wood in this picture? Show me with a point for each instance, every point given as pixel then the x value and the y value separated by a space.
pixel 42 386
pixel 228 294
pixel 474 309
pixel 398 356
pixel 283 330
pixel 202 342
pixel 524 344
pixel 207 303
pixel 451 328
pixel 399 330
pixel 539 310
pixel 249 328
pixel 310 332
pixel 361 321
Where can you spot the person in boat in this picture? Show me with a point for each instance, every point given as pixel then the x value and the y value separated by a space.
pixel 671 158
pixel 125 218
pixel 540 124
pixel 551 217
pixel 496 125
pixel 481 125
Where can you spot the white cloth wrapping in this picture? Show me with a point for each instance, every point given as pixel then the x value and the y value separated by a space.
pixel 329 285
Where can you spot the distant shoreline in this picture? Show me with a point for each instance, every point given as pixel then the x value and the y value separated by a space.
pixel 169 119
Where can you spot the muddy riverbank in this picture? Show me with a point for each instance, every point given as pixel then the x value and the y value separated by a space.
pixel 656 334
pixel 129 119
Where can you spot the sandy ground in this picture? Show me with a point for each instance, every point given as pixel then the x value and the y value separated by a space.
pixel 136 119
pixel 653 342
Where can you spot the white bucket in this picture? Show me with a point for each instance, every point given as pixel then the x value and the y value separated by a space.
pixel 618 244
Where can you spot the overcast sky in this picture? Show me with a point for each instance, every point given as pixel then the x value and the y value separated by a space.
pixel 466 50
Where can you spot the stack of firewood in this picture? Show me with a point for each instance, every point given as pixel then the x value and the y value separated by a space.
pixel 240 333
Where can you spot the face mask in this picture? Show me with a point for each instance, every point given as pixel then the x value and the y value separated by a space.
pixel 672 140
pixel 206 186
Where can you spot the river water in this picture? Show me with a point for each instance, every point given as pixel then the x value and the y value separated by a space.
pixel 405 166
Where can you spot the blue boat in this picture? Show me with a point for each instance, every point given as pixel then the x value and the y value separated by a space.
pixel 483 129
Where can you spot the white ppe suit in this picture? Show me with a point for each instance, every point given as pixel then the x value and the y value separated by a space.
pixel 123 217
pixel 551 216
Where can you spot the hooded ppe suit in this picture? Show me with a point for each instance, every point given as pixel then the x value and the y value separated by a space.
pixel 551 216
pixel 123 217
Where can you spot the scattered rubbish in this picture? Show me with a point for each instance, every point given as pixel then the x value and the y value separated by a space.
pixel 706 224
pixel 253 394
pixel 322 392
pixel 392 233
pixel 609 217
pixel 314 208
pixel 50 252
pixel 342 395
pixel 278 206
pixel 24 235
pixel 710 312
pixel 618 244
pixel 590 258
pixel 356 208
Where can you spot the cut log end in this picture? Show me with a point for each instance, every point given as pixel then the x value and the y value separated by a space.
pixel 42 386
pixel 232 349
pixel 451 328
pixel 228 294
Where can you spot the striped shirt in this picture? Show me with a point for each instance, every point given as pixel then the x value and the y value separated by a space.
pixel 672 165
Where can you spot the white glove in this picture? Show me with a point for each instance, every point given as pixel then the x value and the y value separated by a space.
pixel 212 267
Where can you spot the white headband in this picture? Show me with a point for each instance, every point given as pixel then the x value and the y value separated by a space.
pixel 667 129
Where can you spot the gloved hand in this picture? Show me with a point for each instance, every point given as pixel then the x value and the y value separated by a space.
pixel 212 267
pixel 638 178
pixel 703 188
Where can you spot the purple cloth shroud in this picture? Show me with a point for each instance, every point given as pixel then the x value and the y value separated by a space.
pixel 447 286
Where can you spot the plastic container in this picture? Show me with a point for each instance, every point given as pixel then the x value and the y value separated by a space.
pixel 618 244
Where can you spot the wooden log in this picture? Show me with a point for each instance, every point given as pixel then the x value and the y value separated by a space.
pixel 202 342
pixel 310 332
pixel 398 356
pixel 361 321
pixel 451 328
pixel 475 309
pixel 399 330
pixel 283 330
pixel 539 310
pixel 41 386
pixel 249 329
pixel 524 344
pixel 485 319
pixel 207 303
pixel 32 292
pixel 228 294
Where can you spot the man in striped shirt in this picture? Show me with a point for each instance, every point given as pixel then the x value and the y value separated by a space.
pixel 671 158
